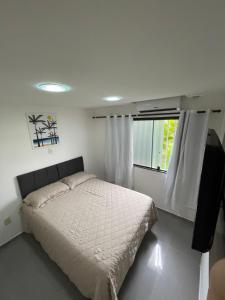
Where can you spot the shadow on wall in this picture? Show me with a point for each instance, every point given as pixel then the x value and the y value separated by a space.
pixel 10 217
pixel 17 189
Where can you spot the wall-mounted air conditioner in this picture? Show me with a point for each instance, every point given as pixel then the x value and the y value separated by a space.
pixel 165 104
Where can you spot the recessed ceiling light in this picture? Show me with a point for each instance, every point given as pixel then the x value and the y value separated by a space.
pixel 113 98
pixel 53 87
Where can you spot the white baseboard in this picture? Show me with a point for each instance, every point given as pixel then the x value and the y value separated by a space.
pixel 11 238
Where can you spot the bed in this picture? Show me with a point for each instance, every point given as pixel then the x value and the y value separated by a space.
pixel 92 231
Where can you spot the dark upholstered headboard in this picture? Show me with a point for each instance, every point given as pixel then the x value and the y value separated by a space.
pixel 32 181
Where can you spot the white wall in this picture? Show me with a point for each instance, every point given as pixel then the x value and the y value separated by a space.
pixel 147 181
pixel 18 157
pixel 204 277
pixel 150 183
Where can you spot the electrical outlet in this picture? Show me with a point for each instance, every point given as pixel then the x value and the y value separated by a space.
pixel 7 221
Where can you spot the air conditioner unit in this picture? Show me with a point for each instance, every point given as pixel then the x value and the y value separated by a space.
pixel 165 104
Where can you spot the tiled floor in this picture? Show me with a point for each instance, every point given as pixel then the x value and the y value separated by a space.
pixel 165 268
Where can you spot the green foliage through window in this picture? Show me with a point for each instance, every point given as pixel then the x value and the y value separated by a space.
pixel 153 142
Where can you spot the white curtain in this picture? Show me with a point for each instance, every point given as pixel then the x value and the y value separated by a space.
pixel 119 150
pixel 184 173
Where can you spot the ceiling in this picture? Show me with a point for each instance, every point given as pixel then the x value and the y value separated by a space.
pixel 139 50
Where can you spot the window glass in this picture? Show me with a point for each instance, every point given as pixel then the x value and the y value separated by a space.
pixel 143 142
pixel 153 142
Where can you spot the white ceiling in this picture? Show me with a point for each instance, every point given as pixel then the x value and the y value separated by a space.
pixel 137 49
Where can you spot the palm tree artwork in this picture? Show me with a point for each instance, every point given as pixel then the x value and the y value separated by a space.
pixel 54 124
pixel 51 125
pixel 43 129
pixel 34 119
pixel 52 137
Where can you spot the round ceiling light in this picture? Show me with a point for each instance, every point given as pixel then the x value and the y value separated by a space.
pixel 53 87
pixel 113 98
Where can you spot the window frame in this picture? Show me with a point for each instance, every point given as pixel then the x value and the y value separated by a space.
pixel 136 119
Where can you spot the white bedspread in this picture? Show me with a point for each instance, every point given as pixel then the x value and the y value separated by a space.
pixel 93 233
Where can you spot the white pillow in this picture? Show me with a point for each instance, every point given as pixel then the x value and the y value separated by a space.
pixel 77 178
pixel 40 196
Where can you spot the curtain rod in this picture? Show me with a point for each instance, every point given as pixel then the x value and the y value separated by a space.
pixel 160 114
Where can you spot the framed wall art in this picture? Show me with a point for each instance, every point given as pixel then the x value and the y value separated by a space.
pixel 43 129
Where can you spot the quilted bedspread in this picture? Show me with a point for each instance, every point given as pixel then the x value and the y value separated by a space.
pixel 93 233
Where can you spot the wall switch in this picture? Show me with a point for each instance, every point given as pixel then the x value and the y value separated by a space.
pixel 7 221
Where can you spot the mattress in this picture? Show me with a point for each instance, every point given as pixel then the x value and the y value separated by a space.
pixel 93 233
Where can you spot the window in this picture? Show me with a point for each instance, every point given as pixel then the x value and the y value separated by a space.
pixel 153 142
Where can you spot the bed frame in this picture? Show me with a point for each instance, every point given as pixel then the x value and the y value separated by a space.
pixel 32 181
